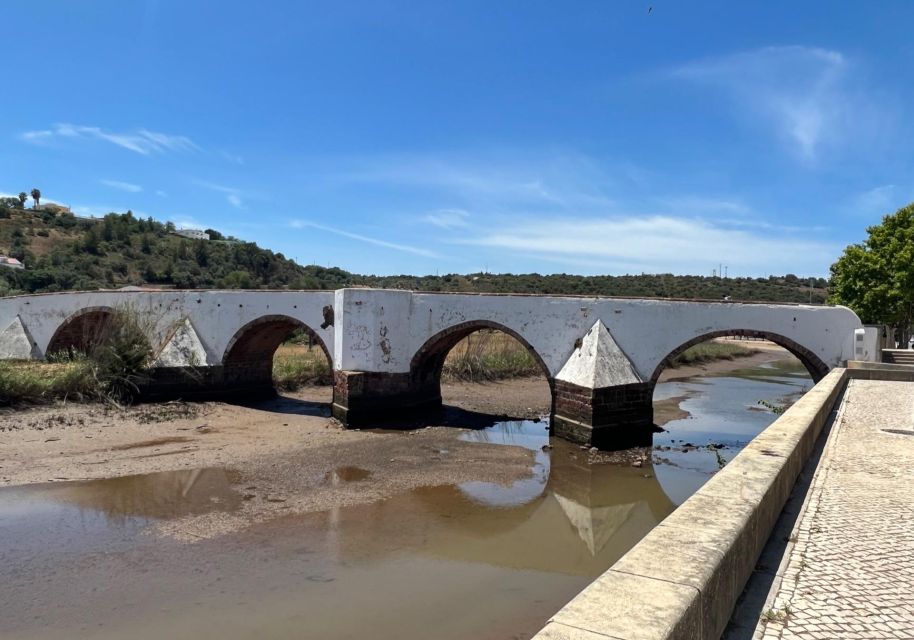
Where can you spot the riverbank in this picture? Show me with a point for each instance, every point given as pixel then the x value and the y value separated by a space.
pixel 287 455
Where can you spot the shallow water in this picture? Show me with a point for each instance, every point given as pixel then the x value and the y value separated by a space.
pixel 476 560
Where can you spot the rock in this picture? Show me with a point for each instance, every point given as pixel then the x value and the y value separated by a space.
pixel 546 447
pixel 637 463
pixel 594 450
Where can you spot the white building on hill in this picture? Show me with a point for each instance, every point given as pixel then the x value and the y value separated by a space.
pixel 12 263
pixel 193 234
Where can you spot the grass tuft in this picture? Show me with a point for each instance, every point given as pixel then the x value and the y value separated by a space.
pixel 709 352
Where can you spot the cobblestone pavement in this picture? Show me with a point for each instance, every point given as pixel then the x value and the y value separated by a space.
pixel 849 572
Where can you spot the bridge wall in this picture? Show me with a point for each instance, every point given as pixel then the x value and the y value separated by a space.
pixel 387 347
pixel 216 316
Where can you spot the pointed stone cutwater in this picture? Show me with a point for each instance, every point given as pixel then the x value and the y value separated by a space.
pixel 183 348
pixel 16 343
pixel 600 400
pixel 599 362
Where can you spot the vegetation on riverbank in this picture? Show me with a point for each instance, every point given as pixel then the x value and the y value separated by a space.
pixel 711 351
pixel 295 365
pixel 111 370
pixel 63 252
pixel 489 355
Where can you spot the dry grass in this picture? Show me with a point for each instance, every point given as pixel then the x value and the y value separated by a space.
pixel 297 365
pixel 711 351
pixel 489 355
pixel 39 382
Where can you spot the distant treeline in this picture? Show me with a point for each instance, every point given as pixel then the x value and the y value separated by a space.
pixel 62 252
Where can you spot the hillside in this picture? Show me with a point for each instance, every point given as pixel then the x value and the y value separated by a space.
pixel 62 252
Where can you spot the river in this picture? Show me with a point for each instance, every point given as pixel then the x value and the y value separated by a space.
pixel 456 562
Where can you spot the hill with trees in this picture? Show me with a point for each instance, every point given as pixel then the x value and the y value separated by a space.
pixel 64 252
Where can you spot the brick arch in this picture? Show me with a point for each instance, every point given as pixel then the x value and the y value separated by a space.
pixel 814 365
pixel 428 361
pixel 82 330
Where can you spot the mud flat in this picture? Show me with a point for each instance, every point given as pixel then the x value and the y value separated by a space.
pixel 286 455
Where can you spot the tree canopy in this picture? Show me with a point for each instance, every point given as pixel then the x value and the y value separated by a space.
pixel 876 277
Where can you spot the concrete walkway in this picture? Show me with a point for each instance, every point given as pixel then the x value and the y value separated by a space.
pixel 849 570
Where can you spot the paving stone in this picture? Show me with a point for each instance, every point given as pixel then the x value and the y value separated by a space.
pixel 851 572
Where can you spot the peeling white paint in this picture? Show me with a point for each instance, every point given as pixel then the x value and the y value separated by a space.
pixel 183 348
pixel 363 338
pixel 15 343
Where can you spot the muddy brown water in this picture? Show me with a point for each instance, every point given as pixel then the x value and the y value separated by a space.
pixel 470 561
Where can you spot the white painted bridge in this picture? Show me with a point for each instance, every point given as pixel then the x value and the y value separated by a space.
pixel 602 356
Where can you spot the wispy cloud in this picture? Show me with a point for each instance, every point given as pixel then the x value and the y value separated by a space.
pixel 123 186
pixel 878 201
pixel 161 193
pixel 232 195
pixel 448 218
pixel 806 94
pixel 703 205
pixel 142 141
pixel 304 224
pixel 657 244
pixel 533 180
pixel 231 157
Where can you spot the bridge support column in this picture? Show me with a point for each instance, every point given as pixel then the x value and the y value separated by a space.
pixel 617 417
pixel 599 398
pixel 369 397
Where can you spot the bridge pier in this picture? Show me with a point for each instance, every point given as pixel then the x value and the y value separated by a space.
pixel 617 417
pixel 600 400
pixel 362 398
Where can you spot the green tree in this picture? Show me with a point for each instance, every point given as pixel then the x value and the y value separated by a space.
pixel 22 199
pixel 876 277
pixel 36 196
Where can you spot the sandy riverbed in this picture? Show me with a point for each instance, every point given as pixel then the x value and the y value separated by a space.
pixel 286 454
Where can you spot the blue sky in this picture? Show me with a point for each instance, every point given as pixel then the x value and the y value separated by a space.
pixel 515 136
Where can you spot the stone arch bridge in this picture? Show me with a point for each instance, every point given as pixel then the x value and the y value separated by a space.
pixel 602 356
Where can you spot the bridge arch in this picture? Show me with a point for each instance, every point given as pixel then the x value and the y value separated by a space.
pixel 82 330
pixel 429 359
pixel 248 357
pixel 814 365
pixel 427 363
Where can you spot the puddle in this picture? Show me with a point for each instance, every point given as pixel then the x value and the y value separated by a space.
pixel 153 496
pixel 342 475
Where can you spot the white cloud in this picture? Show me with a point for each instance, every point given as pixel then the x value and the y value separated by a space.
pixel 161 193
pixel 141 141
pixel 232 195
pixel 658 244
pixel 123 186
pixel 532 180
pixel 448 218
pixel 805 93
pixel 304 224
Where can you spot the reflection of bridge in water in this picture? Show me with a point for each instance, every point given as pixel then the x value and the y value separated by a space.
pixel 571 517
